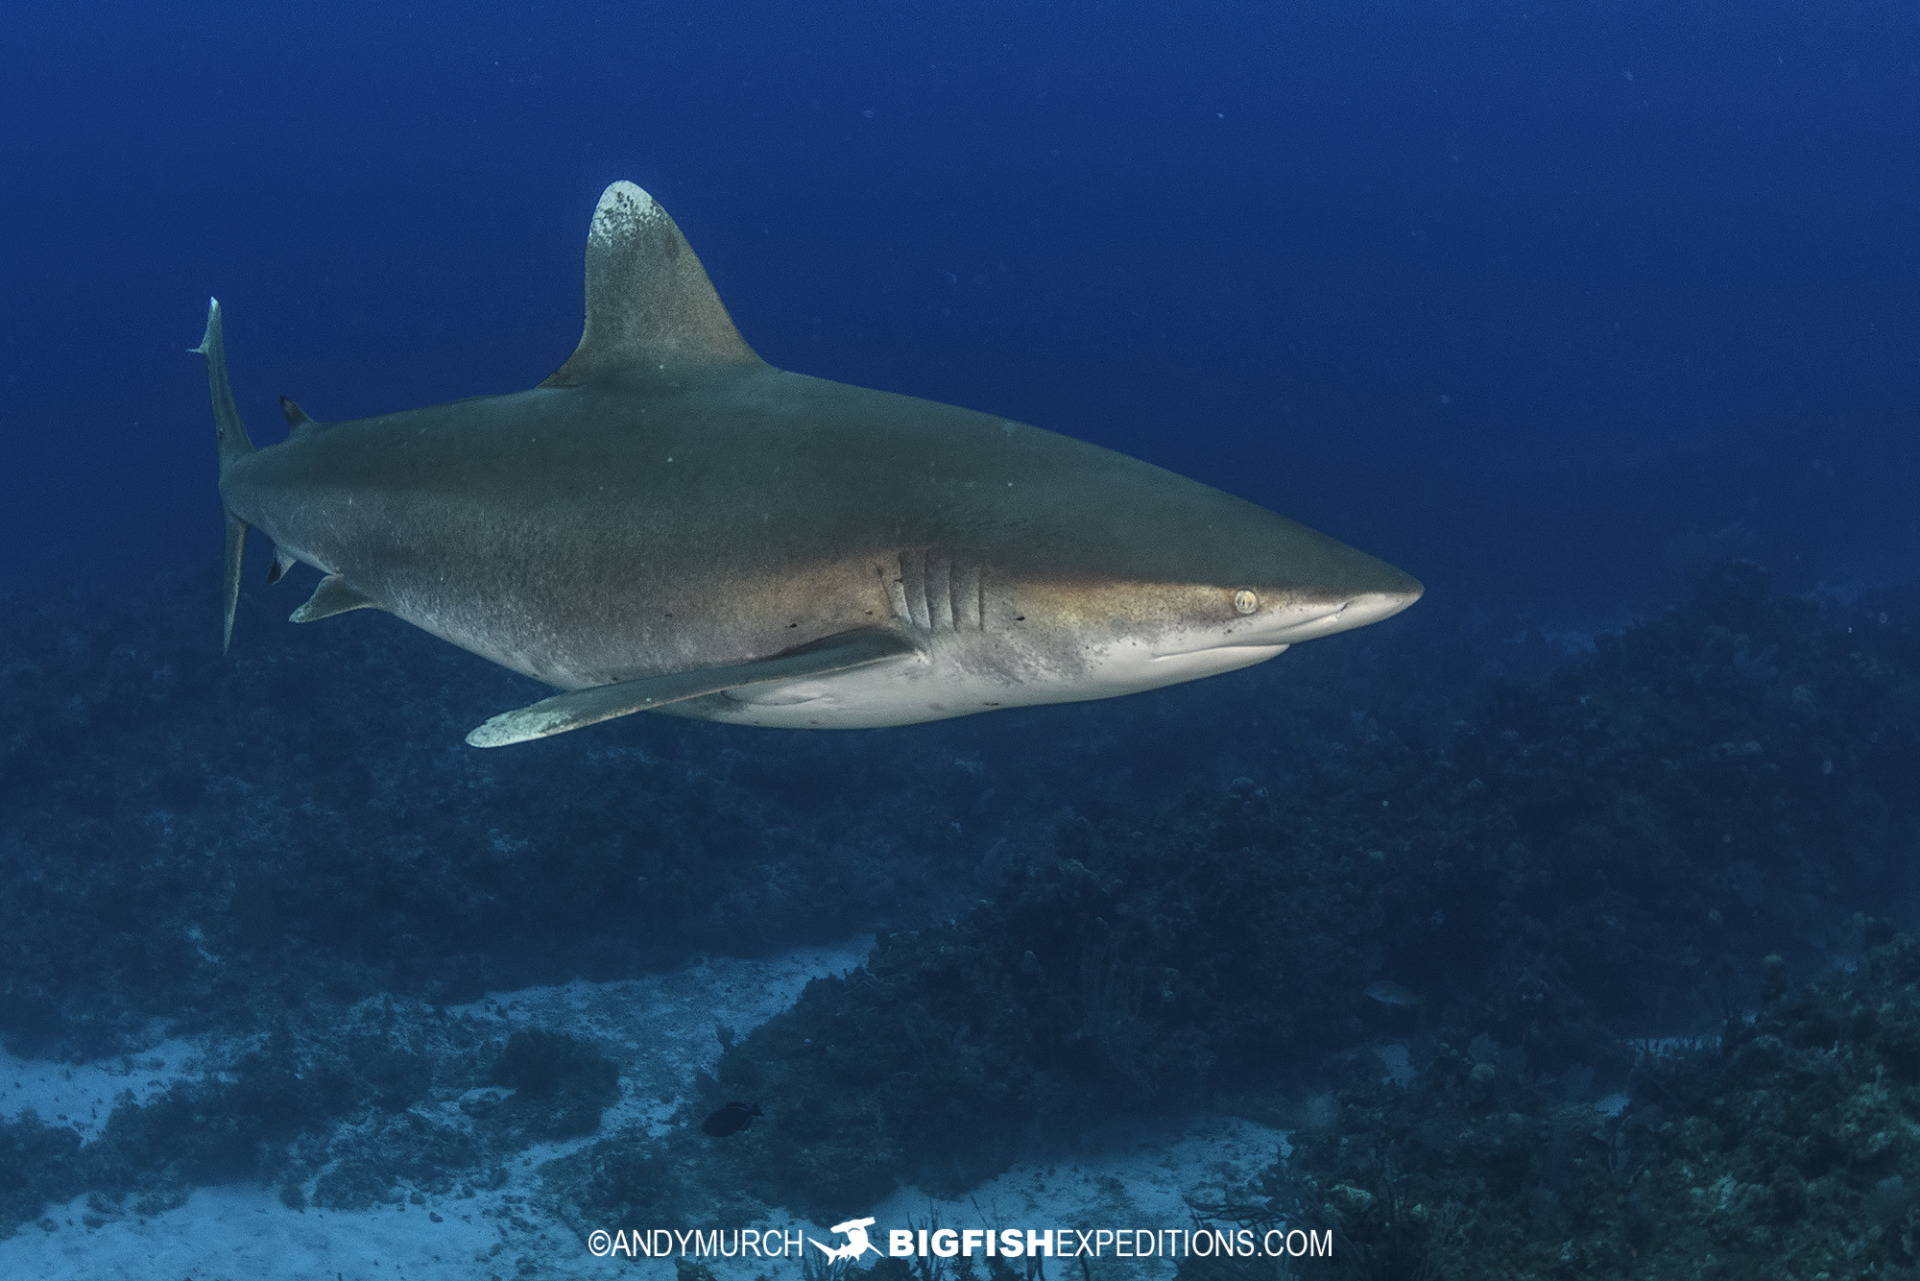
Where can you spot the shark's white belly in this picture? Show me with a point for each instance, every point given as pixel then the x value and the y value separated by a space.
pixel 927 688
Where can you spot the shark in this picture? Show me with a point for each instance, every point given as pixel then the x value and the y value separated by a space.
pixel 669 524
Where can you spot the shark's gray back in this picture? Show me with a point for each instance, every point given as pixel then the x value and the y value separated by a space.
pixel 606 531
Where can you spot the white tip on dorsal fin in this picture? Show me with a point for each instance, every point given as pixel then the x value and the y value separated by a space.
pixel 649 302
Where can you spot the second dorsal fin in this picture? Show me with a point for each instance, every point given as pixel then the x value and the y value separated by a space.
pixel 296 417
pixel 649 302
pixel 299 422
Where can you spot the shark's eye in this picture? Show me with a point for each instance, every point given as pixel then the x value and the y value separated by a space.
pixel 1245 601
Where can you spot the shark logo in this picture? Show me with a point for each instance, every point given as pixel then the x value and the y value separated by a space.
pixel 857 1244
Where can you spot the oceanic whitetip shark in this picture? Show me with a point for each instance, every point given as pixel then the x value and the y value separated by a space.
pixel 668 523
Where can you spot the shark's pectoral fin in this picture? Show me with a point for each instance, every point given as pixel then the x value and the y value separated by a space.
pixel 331 597
pixel 583 707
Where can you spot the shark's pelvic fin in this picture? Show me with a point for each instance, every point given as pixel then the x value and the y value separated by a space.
pixel 582 707
pixel 650 306
pixel 331 597
pixel 230 435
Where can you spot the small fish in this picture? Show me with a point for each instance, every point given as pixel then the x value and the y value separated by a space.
pixel 731 1119
pixel 1390 993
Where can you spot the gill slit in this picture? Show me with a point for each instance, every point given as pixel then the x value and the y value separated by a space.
pixel 935 592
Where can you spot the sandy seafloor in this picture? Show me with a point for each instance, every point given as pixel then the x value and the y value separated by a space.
pixel 660 1029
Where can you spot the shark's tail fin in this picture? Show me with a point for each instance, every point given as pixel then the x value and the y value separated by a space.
pixel 231 435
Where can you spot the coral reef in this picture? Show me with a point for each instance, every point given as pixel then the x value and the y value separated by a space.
pixel 342 1108
pixel 1597 853
pixel 1787 1149
pixel 1505 859
pixel 212 841
pixel 38 1163
pixel 561 1084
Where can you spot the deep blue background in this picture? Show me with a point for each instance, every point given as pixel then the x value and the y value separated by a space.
pixel 1546 302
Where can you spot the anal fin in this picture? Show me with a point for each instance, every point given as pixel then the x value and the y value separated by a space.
pixel 331 597
pixel 582 707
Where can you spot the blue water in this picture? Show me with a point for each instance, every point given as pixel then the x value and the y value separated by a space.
pixel 1557 306
pixel 1503 292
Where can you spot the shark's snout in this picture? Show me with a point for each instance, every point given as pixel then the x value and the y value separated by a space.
pixel 1355 611
pixel 1371 607
pixel 1291 624
pixel 1368 590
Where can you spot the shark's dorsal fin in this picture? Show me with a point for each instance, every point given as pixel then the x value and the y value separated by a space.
pixel 650 306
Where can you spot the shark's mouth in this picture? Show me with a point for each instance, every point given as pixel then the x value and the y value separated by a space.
pixel 1290 626
pixel 1279 629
